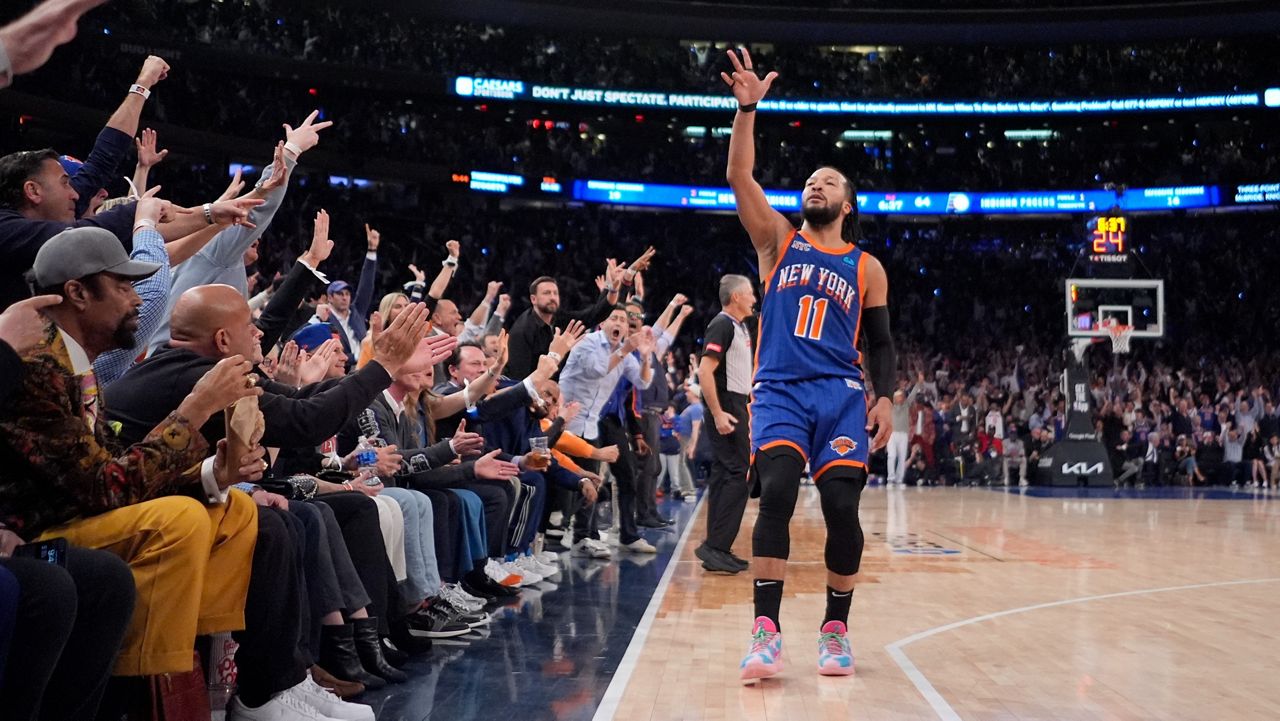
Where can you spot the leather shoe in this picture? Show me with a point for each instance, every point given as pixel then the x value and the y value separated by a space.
pixel 369 649
pixel 339 657
pixel 654 521
pixel 344 689
pixel 716 560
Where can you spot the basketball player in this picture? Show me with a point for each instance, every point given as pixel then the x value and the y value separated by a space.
pixel 808 403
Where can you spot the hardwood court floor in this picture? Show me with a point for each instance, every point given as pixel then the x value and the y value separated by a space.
pixel 946 556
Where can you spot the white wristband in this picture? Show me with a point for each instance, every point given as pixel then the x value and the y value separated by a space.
pixel 554 356
pixel 137 89
pixel 450 262
pixel 144 223
pixel 292 147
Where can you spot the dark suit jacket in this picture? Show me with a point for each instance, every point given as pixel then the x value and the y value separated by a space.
pixel 53 468
pixel 422 468
pixel 279 312
pixel 304 416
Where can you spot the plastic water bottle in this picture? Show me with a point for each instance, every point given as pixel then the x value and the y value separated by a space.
pixel 367 448
pixel 366 458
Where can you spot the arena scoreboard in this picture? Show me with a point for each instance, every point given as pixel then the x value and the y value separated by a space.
pixel 1108 240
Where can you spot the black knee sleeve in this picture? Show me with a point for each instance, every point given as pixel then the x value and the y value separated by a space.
pixel 840 490
pixel 776 472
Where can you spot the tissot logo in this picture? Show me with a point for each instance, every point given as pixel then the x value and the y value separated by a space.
pixel 1081 469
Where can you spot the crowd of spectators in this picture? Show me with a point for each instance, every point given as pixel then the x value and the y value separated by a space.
pixel 335 32
pixel 255 406
pixel 574 142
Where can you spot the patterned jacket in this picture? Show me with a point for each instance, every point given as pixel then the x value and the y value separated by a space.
pixel 54 469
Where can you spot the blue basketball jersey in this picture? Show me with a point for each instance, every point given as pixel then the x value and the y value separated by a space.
pixel 810 313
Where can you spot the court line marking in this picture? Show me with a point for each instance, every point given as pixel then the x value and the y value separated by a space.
pixel 943 709
pixel 612 698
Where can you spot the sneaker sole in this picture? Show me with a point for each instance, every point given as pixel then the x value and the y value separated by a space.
pixel 826 670
pixel 720 571
pixel 439 634
pixel 755 672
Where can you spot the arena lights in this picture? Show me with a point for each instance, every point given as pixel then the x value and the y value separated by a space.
pixel 955 203
pixel 503 89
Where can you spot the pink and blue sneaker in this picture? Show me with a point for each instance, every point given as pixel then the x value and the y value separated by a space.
pixel 835 658
pixel 764 658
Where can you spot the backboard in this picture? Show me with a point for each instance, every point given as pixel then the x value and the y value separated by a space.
pixel 1094 303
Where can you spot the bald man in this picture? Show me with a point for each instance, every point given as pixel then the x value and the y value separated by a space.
pixel 212 322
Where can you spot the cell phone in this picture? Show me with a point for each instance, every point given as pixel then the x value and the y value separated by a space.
pixel 52 551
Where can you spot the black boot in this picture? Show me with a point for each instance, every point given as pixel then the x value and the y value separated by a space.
pixel 339 657
pixel 369 648
pixel 394 656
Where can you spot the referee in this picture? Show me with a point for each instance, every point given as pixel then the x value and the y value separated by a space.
pixel 725 376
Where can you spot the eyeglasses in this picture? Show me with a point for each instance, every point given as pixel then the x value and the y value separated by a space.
pixel 637 316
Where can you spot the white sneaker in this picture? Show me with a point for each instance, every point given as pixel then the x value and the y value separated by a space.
pixel 527 577
pixel 530 565
pixel 548 558
pixel 329 704
pixel 284 707
pixel 556 518
pixel 542 568
pixel 600 545
pixel 640 546
pixel 461 599
pixel 497 573
pixel 690 498
pixel 591 548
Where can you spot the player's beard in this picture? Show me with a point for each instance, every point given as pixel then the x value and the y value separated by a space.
pixel 820 216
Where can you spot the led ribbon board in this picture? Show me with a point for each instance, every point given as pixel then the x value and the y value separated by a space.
pixel 955 203
pixel 504 89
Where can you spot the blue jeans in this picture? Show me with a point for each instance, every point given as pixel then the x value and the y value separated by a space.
pixel 419 543
pixel 473 548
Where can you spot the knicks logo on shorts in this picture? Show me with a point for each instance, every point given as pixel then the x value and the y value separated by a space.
pixel 853 384
pixel 844 445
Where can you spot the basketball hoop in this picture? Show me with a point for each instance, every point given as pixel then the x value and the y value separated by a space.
pixel 1120 335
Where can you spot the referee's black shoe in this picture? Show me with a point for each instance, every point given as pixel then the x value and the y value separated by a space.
pixel 716 560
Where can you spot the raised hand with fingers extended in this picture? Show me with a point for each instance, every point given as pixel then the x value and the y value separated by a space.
pixel 748 88
pixel 307 135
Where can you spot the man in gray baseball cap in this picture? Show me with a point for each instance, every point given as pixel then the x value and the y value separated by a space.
pixel 90 269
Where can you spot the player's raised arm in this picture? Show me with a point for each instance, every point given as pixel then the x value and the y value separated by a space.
pixel 767 227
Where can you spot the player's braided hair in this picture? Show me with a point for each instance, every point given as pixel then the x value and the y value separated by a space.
pixel 850 231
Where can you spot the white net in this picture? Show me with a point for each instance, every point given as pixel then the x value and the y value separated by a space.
pixel 1120 335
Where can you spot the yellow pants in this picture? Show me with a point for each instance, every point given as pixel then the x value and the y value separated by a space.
pixel 191 564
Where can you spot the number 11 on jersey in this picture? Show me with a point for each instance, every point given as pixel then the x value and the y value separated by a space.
pixel 810 317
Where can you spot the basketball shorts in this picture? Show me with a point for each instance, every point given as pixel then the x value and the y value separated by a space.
pixel 825 419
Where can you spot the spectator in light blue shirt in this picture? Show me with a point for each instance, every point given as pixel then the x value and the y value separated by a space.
pixel 593 368
pixel 222 260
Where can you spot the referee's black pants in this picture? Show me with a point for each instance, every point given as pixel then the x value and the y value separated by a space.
pixel 727 488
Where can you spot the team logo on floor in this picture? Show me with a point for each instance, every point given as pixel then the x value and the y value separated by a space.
pixel 844 445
